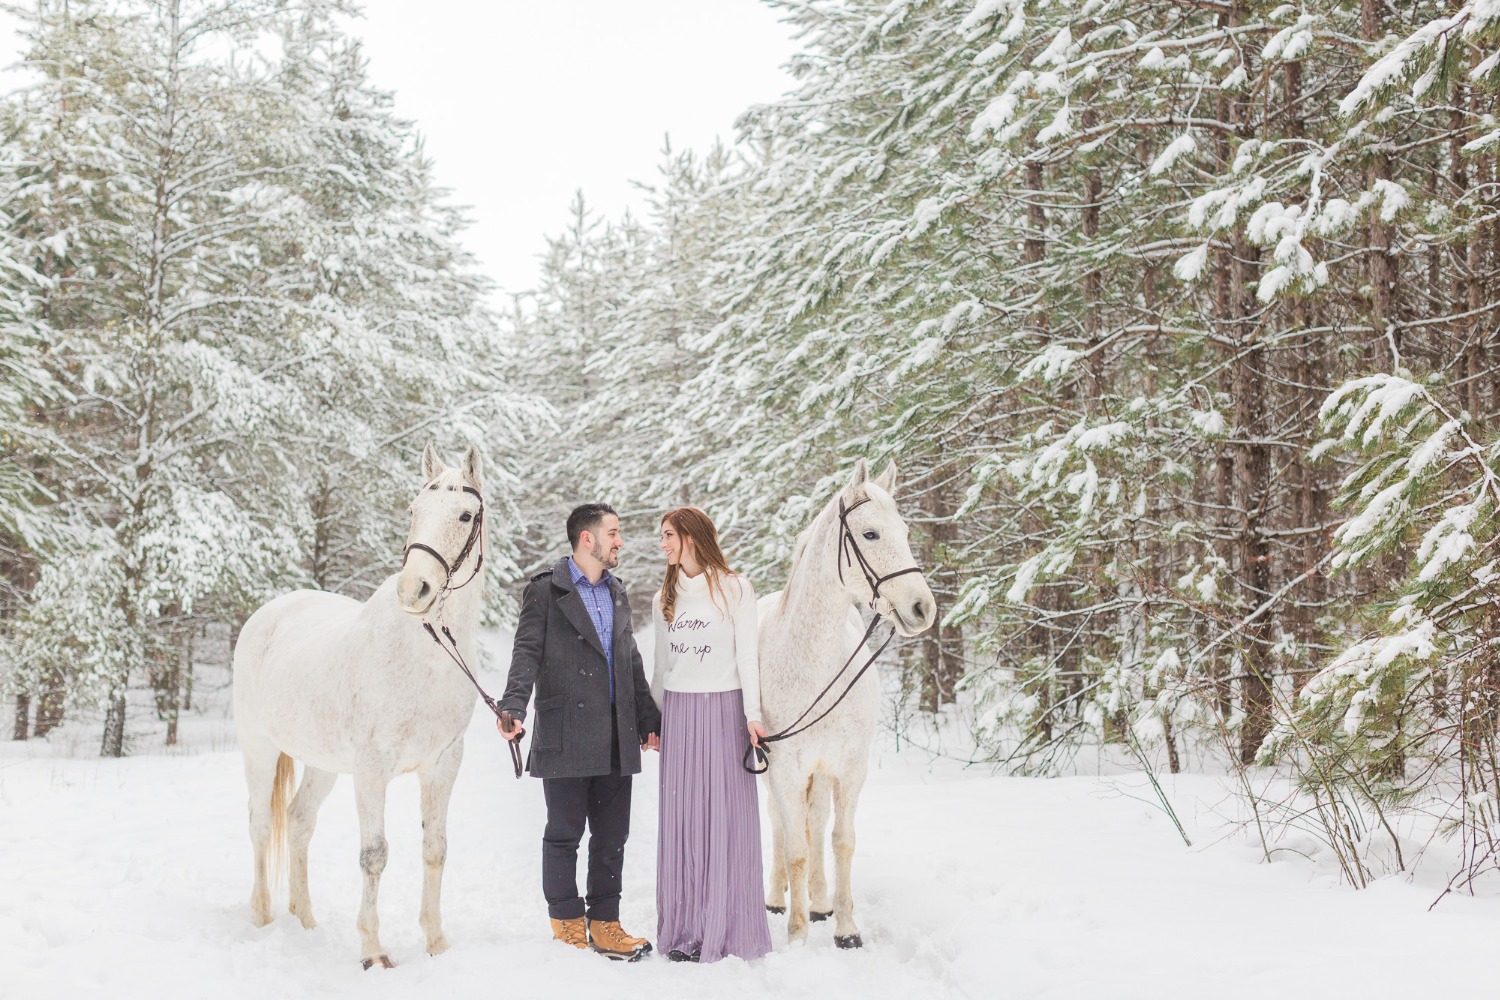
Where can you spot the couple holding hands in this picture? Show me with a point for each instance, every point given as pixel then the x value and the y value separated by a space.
pixel 595 713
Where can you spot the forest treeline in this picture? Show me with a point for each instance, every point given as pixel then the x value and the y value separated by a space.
pixel 234 309
pixel 1177 318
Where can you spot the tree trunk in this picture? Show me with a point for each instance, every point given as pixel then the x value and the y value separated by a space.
pixel 23 711
pixel 187 677
pixel 174 694
pixel 49 706
pixel 1383 275
pixel 113 744
pixel 943 647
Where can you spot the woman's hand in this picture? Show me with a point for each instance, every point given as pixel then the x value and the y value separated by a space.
pixel 757 732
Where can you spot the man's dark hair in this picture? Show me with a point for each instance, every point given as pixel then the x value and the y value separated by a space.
pixel 586 517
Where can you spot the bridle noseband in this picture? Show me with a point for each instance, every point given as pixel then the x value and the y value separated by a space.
pixel 850 552
pixel 476 534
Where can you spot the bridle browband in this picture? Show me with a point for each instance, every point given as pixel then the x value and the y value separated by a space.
pixel 849 551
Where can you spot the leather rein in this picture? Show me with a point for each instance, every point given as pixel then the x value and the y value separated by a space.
pixel 850 552
pixel 476 536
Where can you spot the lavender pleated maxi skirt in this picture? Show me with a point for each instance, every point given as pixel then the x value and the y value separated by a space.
pixel 708 865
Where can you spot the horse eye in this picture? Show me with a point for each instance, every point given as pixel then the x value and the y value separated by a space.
pixel 872 535
pixel 466 517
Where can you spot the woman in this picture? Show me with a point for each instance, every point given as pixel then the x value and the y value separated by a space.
pixel 708 868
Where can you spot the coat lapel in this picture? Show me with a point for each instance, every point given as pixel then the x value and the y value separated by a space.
pixel 572 606
pixel 622 619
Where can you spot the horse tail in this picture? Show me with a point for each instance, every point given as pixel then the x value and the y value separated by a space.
pixel 281 795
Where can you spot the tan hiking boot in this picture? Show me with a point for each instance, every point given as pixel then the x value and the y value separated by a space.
pixel 609 939
pixel 573 932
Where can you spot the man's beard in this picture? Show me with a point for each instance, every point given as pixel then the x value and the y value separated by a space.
pixel 607 557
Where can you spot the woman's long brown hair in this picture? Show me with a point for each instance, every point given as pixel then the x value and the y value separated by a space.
pixel 691 524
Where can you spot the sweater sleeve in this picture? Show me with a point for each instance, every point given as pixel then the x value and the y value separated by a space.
pixel 659 653
pixel 747 649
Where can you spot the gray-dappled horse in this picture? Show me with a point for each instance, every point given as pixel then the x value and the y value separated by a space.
pixel 363 689
pixel 855 554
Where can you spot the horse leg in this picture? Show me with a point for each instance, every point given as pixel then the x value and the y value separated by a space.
pixel 776 878
pixel 791 802
pixel 436 776
pixel 369 801
pixel 260 778
pixel 303 818
pixel 845 799
pixel 819 792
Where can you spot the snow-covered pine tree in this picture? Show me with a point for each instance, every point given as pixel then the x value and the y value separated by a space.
pixel 1092 271
pixel 152 180
pixel 28 525
pixel 257 315
pixel 1408 707
pixel 395 345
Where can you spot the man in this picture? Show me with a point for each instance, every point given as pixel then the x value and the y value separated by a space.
pixel 594 715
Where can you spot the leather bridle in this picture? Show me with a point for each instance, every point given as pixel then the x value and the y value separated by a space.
pixel 476 536
pixel 850 552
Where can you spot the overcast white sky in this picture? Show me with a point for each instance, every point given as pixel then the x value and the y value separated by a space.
pixel 523 102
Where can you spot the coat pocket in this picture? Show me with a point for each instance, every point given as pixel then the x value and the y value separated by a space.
pixel 549 723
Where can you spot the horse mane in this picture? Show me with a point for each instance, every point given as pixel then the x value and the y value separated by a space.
pixel 451 478
pixel 798 550
pixel 804 541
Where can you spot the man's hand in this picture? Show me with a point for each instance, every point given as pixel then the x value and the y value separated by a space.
pixel 509 727
pixel 757 732
pixel 651 742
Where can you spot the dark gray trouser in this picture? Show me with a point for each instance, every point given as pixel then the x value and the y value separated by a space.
pixel 602 803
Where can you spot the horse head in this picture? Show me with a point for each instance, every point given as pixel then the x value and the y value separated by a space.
pixel 875 561
pixel 444 548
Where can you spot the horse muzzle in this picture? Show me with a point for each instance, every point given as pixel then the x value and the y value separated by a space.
pixel 416 591
pixel 911 612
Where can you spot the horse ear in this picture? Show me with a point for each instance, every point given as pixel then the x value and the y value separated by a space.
pixel 860 477
pixel 474 468
pixel 887 479
pixel 432 466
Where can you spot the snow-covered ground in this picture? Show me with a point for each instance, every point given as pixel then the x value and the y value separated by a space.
pixel 130 878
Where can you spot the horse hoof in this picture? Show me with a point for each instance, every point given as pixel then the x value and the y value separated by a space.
pixel 851 941
pixel 775 909
pixel 818 916
pixel 381 960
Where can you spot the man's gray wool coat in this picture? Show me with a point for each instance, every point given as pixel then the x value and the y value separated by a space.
pixel 557 651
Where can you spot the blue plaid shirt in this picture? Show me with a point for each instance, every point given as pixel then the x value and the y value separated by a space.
pixel 599 601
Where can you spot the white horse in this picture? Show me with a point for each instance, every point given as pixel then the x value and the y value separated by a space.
pixel 362 689
pixel 855 554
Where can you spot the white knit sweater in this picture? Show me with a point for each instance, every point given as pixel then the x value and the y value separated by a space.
pixel 702 649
